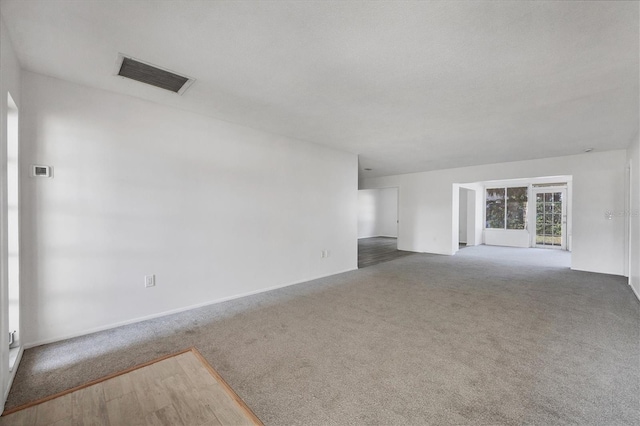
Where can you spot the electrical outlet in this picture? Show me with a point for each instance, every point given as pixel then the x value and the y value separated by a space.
pixel 149 280
pixel 327 253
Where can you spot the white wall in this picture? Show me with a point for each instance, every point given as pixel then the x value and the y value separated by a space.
pixel 367 213
pixel 507 237
pixel 213 209
pixel 388 208
pixel 634 216
pixel 426 205
pixel 462 216
pixel 474 219
pixel 378 213
pixel 9 83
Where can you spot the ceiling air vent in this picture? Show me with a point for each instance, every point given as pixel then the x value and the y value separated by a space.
pixel 149 74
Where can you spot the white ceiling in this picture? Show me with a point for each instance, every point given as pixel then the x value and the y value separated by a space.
pixel 409 86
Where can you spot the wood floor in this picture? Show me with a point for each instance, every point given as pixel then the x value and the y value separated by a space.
pixel 372 251
pixel 178 390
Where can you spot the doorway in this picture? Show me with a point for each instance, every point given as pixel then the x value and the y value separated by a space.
pixel 378 213
pixel 469 224
pixel 551 218
pixel 378 226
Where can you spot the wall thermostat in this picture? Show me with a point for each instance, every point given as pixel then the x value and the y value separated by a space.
pixel 40 171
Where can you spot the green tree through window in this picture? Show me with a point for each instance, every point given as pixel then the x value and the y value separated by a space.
pixel 516 208
pixel 495 208
pixel 506 208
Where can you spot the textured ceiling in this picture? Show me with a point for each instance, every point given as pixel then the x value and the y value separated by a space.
pixel 409 86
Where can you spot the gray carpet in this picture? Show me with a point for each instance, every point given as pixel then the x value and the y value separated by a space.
pixel 489 336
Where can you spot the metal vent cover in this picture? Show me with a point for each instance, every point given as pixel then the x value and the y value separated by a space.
pixel 150 74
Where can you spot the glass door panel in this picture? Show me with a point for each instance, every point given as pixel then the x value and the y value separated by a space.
pixel 550 219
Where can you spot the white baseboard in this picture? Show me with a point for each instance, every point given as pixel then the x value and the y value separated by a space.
pixel 592 271
pixel 174 311
pixel 375 236
pixel 12 375
pixel 634 290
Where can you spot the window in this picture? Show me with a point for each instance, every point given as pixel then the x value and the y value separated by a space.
pixel 495 208
pixel 12 259
pixel 506 208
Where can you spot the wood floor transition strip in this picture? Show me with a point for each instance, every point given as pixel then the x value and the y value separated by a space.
pixel 189 396
pixel 227 388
